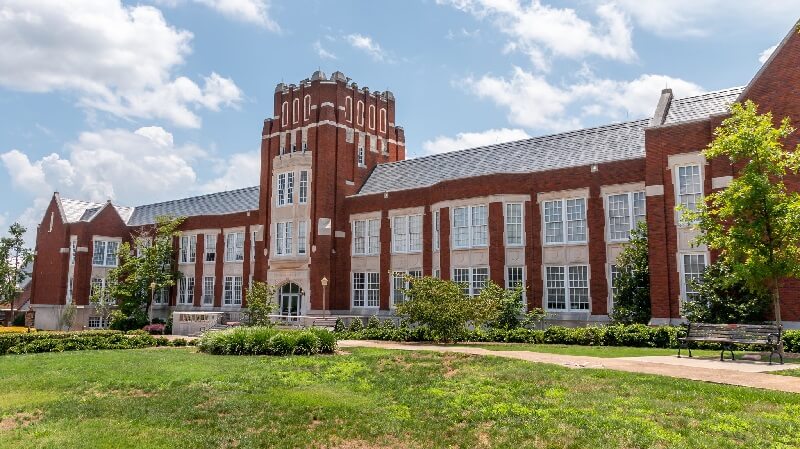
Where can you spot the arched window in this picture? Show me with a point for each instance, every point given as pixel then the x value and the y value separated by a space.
pixel 348 109
pixel 295 110
pixel 372 116
pixel 360 113
pixel 306 107
pixel 382 120
pixel 285 113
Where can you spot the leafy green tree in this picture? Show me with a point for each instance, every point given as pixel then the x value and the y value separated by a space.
pixel 444 308
pixel 500 308
pixel 103 303
pixel 67 317
pixel 144 269
pixel 632 285
pixel 725 298
pixel 260 304
pixel 14 256
pixel 754 223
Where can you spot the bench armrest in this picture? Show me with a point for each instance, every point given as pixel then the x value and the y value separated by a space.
pixel 773 339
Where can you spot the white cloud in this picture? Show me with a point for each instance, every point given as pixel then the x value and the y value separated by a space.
pixel 130 168
pixel 118 59
pixel 444 144
pixel 680 18
pixel 532 101
pixel 762 58
pixel 322 52
pixel 367 45
pixel 251 11
pixel 539 30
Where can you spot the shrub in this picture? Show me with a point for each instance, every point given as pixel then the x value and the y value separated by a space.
pixel 179 342
pixel 15 330
pixel 29 343
pixel 373 322
pixel 791 341
pixel 162 341
pixel 257 340
pixel 632 284
pixel 260 304
pixel 356 325
pixel 339 326
pixel 155 329
pixel 137 332
pixel 725 298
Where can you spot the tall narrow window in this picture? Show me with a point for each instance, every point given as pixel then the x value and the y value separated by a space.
pixel 553 224
pixel 306 107
pixel 303 194
pixel 290 188
pixel 613 274
pixel 576 220
pixel 295 110
pixel 73 249
pixel 281 190
pixel 301 237
pixel 361 157
pixel 360 113
pixel 359 237
pixel 514 224
pixel 415 233
pixel 436 230
pixel 398 287
pixel 374 236
pixel 373 289
pixel 210 248
pixel 348 109
pixel 693 267
pixel 186 291
pixel 232 293
pixel 461 227
pixel 284 114
pixel 69 290
pixel 359 289
pixel 188 249
pixel 371 116
pixel 208 290
pixel 283 238
pixel 382 121
pixel 480 225
pixel 234 247
pixel 690 187
pixel 555 288
pixel 400 233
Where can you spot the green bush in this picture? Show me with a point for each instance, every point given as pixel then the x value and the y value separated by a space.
pixel 373 322
pixel 339 326
pixel 791 341
pixel 267 341
pixel 356 325
pixel 179 342
pixel 36 342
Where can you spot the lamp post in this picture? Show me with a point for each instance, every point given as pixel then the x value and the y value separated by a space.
pixel 324 298
pixel 152 298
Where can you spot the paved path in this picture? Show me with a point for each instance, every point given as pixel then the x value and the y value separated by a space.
pixel 745 374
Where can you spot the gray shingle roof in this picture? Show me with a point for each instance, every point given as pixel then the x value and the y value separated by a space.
pixel 701 106
pixel 221 203
pixel 570 149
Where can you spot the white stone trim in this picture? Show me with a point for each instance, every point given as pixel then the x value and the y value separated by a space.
pixel 721 182
pixel 654 190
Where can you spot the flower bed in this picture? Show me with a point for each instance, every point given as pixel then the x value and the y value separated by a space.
pixel 258 340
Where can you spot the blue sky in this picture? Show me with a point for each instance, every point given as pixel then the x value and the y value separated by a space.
pixel 157 99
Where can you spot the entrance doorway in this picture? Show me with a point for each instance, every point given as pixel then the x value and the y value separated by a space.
pixel 289 297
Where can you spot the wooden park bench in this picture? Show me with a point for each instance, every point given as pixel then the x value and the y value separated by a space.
pixel 730 335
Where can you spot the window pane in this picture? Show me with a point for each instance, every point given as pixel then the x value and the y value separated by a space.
pixel 690 189
pixel 693 267
pixel 301 237
pixel 479 278
pixel 211 248
pixel 639 212
pixel 98 257
pixel 576 220
pixel 461 276
pixel 400 232
pixel 514 277
pixel 290 188
pixel 398 284
pixel 415 233
pixel 374 236
pixel 552 222
pixel 579 288
pixel 303 186
pixel 359 287
pixel 619 217
pixel 373 289
pixel 514 224
pixel 555 288
pixel 436 230
pixel 480 228
pixel 460 228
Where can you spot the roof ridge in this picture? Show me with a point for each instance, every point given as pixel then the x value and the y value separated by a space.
pixel 544 137
pixel 709 94
pixel 205 195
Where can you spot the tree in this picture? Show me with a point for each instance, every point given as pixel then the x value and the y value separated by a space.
pixel 143 269
pixel 103 303
pixel 502 309
pixel 14 256
pixel 724 298
pixel 446 309
pixel 754 223
pixel 260 303
pixel 632 284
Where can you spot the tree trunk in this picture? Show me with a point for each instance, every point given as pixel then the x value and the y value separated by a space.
pixel 776 296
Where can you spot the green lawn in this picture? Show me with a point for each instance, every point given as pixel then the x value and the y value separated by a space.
pixel 165 398
pixel 593 351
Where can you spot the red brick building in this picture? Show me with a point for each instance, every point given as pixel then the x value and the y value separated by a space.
pixel 337 199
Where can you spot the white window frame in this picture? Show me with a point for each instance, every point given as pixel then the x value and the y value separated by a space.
pixel 307 107
pixel 630 210
pixel 369 236
pixel 362 161
pixel 186 291
pixel 348 109
pixel 471 229
pixel 234 246
pixel 284 191
pixel 210 248
pixel 302 239
pixel 398 277
pixel 73 249
pixel 188 249
pixel 473 275
pixel 436 230
pixel 109 256
pixel 679 197
pixel 407 234
pixel 284 114
pixel 70 284
pixel 372 116
pixel 360 113
pixel 568 287
pixel 382 120
pixel 302 195
pixel 283 238
pixel 295 110
pixel 97 322
pixel 613 274
pixel 208 290
pixel 366 291
pixel 684 284
pixel 514 225
pixel 565 230
pixel 232 291
pixel 161 296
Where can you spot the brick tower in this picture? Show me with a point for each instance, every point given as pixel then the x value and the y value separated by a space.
pixel 323 140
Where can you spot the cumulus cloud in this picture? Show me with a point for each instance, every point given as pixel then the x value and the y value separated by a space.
pixel 540 30
pixel 444 144
pixel 367 45
pixel 250 11
pixel 127 167
pixel 532 101
pixel 762 58
pixel 114 58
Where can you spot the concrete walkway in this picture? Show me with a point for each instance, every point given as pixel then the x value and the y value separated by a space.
pixel 745 374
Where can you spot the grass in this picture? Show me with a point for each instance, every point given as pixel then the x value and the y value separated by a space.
pixel 177 398
pixel 593 351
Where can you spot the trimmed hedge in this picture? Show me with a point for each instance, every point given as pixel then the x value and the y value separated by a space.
pixel 259 340
pixel 635 335
pixel 71 341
